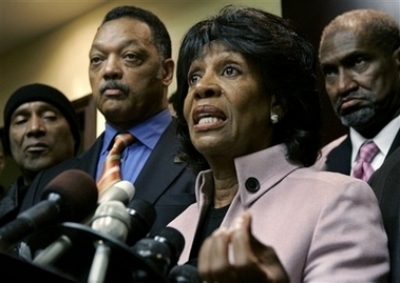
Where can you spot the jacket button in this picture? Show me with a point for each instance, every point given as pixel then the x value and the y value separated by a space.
pixel 252 185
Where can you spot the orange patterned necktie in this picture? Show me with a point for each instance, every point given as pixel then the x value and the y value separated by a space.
pixel 111 169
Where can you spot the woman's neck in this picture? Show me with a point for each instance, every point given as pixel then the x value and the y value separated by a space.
pixel 225 185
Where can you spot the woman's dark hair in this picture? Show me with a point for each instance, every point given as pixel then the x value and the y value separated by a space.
pixel 285 59
pixel 160 34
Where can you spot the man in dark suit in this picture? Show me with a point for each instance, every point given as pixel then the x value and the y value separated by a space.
pixel 41 129
pixel 130 71
pixel 360 60
pixel 386 184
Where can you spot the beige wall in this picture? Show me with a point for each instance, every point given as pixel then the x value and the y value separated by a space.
pixel 60 58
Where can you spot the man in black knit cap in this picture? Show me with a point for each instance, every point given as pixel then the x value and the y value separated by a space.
pixel 40 130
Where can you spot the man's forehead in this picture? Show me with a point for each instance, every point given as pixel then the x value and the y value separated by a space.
pixel 123 27
pixel 342 43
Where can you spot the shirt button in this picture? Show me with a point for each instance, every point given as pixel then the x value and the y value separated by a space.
pixel 252 185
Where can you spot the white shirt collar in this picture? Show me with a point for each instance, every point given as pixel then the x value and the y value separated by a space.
pixel 383 140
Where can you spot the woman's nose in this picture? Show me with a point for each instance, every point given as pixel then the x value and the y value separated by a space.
pixel 207 87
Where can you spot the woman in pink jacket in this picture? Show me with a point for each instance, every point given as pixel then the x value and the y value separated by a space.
pixel 249 119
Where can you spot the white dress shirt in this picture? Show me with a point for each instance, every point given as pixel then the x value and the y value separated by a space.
pixel 383 140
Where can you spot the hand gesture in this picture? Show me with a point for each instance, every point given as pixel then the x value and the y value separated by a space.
pixel 251 261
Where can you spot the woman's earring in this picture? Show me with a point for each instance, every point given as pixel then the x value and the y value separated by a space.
pixel 274 118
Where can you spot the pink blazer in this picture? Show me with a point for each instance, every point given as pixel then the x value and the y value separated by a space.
pixel 324 227
pixel 320 164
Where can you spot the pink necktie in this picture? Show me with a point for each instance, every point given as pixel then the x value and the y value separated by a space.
pixel 363 169
pixel 111 168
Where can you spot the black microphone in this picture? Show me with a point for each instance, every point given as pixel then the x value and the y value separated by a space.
pixel 185 273
pixel 70 196
pixel 142 216
pixel 162 251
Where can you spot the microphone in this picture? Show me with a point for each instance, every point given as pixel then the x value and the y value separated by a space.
pixel 142 216
pixel 137 221
pixel 122 191
pixel 185 273
pixel 162 251
pixel 70 196
pixel 111 218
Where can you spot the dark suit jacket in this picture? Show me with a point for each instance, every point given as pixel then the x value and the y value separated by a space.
pixel 10 202
pixel 163 181
pixel 338 159
pixel 386 184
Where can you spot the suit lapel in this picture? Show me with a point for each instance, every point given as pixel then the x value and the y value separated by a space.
pixel 161 168
pixel 338 160
pixel 395 144
pixel 88 160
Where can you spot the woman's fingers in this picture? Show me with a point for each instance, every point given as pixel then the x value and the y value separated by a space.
pixel 254 261
pixel 251 261
pixel 213 262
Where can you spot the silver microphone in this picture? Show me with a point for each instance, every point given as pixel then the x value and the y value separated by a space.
pixel 122 191
pixel 111 218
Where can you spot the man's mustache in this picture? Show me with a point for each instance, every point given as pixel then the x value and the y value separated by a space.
pixel 340 101
pixel 114 85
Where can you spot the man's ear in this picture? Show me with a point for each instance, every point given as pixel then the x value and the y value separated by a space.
pixel 168 66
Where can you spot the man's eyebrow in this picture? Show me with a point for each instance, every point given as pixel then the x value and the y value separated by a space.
pixel 40 108
pixel 124 43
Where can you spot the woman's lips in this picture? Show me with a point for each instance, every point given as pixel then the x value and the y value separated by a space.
pixel 208 117
pixel 207 113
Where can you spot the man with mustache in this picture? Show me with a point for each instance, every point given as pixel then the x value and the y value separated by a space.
pixel 41 129
pixel 360 60
pixel 130 69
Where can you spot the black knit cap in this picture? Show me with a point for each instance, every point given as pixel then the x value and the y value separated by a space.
pixel 45 93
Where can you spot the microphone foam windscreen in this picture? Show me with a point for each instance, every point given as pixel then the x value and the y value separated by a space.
pixel 112 218
pixel 173 238
pixel 77 189
pixel 145 210
pixel 122 191
pixel 184 274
